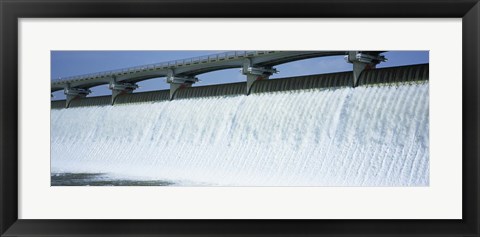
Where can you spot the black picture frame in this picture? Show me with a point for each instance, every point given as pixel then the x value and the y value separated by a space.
pixel 12 10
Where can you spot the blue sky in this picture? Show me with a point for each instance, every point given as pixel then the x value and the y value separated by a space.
pixel 71 63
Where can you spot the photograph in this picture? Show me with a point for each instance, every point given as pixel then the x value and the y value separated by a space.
pixel 240 118
pixel 231 118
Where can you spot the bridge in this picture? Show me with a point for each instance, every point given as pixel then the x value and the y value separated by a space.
pixel 255 65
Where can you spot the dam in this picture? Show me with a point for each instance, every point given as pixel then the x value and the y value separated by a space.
pixel 315 130
pixel 180 74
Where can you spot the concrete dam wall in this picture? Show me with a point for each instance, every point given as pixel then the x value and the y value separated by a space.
pixel 383 76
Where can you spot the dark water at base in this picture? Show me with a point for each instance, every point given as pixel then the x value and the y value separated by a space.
pixel 98 179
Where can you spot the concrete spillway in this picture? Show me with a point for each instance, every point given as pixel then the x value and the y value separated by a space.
pixel 317 136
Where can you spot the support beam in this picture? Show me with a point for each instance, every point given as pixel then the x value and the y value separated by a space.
pixel 363 61
pixel 178 82
pixel 120 88
pixel 73 93
pixel 254 73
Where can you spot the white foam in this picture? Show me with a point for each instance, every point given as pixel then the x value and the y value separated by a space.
pixel 376 136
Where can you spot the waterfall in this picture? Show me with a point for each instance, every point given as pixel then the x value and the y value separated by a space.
pixel 364 136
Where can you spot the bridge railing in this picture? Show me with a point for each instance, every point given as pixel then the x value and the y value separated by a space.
pixel 229 55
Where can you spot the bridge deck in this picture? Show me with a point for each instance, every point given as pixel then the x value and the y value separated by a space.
pixel 188 67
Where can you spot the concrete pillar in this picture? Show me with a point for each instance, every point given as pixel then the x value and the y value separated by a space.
pixel 255 73
pixel 73 93
pixel 179 81
pixel 174 87
pixel 120 88
pixel 363 61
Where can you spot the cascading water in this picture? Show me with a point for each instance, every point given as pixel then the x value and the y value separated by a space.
pixel 364 136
